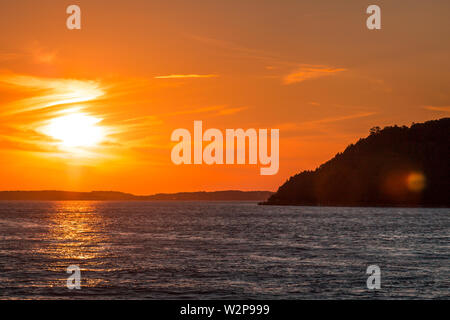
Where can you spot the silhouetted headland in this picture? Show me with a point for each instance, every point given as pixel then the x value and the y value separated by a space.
pixel 395 166
pixel 230 195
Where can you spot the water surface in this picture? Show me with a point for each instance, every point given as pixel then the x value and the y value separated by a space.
pixel 220 250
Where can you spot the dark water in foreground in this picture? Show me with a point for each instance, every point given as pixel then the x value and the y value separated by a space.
pixel 213 250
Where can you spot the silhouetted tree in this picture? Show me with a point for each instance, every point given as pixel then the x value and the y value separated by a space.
pixel 375 130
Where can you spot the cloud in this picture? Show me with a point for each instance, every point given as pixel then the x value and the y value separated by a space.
pixel 220 110
pixel 341 118
pixel 185 76
pixel 234 49
pixel 194 111
pixel 307 72
pixel 317 127
pixel 41 54
pixel 52 92
pixel 15 144
pixel 438 108
pixel 230 111
pixel 34 53
pixel 216 110
pixel 152 120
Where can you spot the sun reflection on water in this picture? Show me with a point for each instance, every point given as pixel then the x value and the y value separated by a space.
pixel 76 236
pixel 76 231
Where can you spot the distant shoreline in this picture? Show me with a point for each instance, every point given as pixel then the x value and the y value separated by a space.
pixel 56 195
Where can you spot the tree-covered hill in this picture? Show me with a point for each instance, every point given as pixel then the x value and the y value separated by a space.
pixel 395 166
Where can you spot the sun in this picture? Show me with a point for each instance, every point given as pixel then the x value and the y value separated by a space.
pixel 76 130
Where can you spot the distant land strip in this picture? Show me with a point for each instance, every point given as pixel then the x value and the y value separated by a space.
pixel 53 195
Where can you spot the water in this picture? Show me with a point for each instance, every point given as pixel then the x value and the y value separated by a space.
pixel 217 250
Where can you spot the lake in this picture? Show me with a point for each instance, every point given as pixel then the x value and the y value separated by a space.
pixel 221 250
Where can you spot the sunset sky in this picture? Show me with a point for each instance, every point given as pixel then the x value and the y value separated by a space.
pixel 139 69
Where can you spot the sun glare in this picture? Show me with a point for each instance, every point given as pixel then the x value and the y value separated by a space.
pixel 76 130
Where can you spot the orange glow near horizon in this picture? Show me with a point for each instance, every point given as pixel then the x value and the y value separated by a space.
pixel 94 109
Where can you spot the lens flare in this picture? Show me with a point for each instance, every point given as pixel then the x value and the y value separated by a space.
pixel 416 181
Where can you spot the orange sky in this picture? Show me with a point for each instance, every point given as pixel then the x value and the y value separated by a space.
pixel 141 69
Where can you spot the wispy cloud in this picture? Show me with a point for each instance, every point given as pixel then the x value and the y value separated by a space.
pixel 53 92
pixel 307 72
pixel 152 120
pixel 341 118
pixel 230 111
pixel 220 110
pixel 35 53
pixel 194 111
pixel 234 49
pixel 215 110
pixel 41 54
pixel 185 76
pixel 319 126
pixel 438 108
